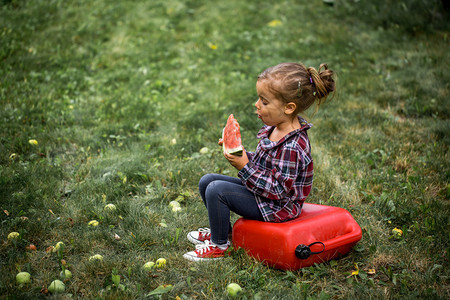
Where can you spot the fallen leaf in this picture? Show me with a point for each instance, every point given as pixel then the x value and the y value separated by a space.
pixel 274 23
pixel 356 272
pixel 162 289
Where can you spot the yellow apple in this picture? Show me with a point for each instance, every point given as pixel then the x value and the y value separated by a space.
pixel 93 223
pixel 160 262
pixel 13 235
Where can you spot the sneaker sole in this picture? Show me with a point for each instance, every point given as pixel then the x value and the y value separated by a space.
pixel 197 259
pixel 194 241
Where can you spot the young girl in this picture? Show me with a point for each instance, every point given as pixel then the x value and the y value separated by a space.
pixel 275 180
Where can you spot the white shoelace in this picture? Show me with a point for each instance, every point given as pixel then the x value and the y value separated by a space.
pixel 204 247
pixel 204 231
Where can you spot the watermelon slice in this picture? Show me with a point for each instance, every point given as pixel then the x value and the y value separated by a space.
pixel 231 137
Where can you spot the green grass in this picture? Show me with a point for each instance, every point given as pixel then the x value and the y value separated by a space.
pixel 121 96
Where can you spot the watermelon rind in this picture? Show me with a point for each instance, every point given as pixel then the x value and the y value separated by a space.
pixel 234 151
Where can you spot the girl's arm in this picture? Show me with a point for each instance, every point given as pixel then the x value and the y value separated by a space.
pixel 237 161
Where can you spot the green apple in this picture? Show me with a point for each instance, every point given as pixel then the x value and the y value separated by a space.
pixel 148 266
pixel 66 274
pixel 57 286
pixel 233 289
pixel 23 278
pixel 110 207
pixel 96 257
pixel 160 262
pixel 175 205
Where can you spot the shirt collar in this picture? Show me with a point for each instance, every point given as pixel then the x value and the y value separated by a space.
pixel 265 131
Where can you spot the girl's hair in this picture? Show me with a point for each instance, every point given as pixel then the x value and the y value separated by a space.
pixel 293 82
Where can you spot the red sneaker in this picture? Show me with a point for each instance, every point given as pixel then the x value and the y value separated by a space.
pixel 199 236
pixel 205 252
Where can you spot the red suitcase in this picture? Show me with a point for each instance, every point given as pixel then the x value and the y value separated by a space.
pixel 320 234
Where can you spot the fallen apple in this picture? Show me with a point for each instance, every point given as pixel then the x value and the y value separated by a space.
pixel 204 150
pixel 174 204
pixel 96 257
pixel 160 262
pixel 57 286
pixel 93 223
pixel 66 274
pixel 13 235
pixel 23 278
pixel 110 207
pixel 148 266
pixel 233 289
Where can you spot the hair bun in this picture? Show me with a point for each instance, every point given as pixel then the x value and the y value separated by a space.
pixel 323 81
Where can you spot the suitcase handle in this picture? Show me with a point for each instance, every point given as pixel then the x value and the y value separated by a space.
pixel 303 251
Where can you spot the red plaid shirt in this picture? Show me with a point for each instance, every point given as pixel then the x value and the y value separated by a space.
pixel 280 174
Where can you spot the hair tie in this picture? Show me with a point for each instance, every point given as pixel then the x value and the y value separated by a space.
pixel 313 85
pixel 299 90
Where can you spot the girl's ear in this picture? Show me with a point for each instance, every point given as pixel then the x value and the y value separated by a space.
pixel 289 109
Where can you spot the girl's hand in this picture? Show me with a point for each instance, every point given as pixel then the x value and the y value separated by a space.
pixel 237 161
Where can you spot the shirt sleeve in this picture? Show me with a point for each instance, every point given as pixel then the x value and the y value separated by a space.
pixel 250 155
pixel 278 182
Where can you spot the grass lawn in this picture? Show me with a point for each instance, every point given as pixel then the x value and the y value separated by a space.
pixel 122 102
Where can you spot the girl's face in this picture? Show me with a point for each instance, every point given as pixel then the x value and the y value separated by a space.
pixel 269 109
